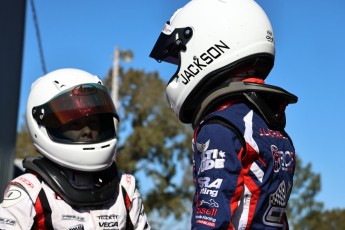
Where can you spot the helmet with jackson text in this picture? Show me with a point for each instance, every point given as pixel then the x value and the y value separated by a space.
pixel 71 119
pixel 212 41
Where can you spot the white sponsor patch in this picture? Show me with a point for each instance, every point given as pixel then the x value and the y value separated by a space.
pixel 7 221
pixel 13 195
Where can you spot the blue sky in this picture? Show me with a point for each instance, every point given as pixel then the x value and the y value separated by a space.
pixel 310 46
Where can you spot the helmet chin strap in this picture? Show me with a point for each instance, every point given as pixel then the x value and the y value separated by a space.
pixel 253 93
pixel 104 191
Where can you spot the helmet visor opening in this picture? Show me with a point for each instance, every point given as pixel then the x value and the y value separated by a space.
pixel 92 129
pixel 170 43
pixel 75 103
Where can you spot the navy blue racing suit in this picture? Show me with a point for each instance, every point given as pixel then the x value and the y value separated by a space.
pixel 241 185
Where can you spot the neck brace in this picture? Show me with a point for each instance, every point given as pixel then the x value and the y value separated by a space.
pixel 255 94
pixel 54 176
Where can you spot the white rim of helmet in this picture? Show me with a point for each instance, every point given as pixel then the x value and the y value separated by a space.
pixel 81 156
pixel 223 32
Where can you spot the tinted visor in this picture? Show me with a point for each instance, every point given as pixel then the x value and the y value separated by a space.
pixel 91 129
pixel 170 43
pixel 74 103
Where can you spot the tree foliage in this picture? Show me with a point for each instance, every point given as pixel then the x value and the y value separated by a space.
pixel 303 209
pixel 319 220
pixel 153 143
pixel 331 219
pixel 24 146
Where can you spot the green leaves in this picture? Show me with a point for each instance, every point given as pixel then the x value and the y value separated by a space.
pixel 303 209
pixel 154 143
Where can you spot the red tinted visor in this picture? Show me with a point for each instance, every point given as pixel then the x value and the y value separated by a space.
pixel 74 103
pixel 170 43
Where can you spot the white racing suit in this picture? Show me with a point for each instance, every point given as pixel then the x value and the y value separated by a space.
pixel 29 203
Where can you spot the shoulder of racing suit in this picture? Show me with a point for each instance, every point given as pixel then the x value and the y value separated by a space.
pixel 30 183
pixel 214 119
pixel 25 184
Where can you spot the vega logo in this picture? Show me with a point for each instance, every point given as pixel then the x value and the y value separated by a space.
pixel 204 60
pixel 108 224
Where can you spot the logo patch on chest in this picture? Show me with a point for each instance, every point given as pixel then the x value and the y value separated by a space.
pixel 77 227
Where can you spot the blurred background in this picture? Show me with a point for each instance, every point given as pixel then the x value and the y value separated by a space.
pixel 113 39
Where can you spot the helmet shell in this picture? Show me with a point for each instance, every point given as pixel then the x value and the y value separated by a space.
pixel 77 156
pixel 225 32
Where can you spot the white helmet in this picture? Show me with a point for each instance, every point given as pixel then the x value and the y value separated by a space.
pixel 212 41
pixel 64 96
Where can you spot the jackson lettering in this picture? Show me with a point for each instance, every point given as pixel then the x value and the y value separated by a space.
pixel 203 61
